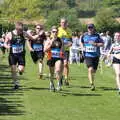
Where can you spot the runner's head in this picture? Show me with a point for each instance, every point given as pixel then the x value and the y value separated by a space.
pixel 117 36
pixel 38 28
pixel 91 28
pixel 54 31
pixel 19 27
pixel 47 33
pixel 63 23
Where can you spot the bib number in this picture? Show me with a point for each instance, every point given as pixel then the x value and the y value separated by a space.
pixel 17 48
pixel 37 47
pixel 90 49
pixel 65 40
pixel 56 53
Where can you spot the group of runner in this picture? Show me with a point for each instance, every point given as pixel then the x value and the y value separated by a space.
pixel 56 45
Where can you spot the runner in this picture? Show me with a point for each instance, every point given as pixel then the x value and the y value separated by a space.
pixel 90 43
pixel 36 47
pixel 2 45
pixel 115 50
pixel 66 35
pixel 15 41
pixel 54 48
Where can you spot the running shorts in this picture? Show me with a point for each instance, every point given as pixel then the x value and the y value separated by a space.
pixel 37 55
pixel 17 59
pixel 52 61
pixel 92 62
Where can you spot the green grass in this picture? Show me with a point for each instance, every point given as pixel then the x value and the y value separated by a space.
pixel 35 102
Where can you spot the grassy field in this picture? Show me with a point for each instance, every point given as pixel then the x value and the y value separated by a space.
pixel 35 102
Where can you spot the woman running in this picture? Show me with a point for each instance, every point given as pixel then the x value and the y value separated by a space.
pixel 115 50
pixel 54 49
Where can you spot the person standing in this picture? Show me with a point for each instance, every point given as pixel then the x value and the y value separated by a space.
pixel 90 44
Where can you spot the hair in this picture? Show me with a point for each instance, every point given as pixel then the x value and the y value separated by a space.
pixel 63 19
pixel 54 27
pixel 39 25
pixel 19 24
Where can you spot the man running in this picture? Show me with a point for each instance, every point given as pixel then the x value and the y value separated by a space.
pixel 36 48
pixel 15 41
pixel 66 35
pixel 90 44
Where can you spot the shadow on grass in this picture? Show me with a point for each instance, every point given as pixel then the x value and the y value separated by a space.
pixel 10 103
pixel 35 88
pixel 107 88
pixel 78 86
pixel 8 107
pixel 64 93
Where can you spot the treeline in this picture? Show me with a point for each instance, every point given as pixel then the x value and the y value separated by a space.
pixel 50 11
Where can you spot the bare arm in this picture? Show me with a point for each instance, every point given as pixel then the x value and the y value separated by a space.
pixel 7 40
pixel 47 45
pixel 29 45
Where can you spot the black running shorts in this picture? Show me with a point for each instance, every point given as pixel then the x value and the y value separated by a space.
pixel 52 61
pixel 37 55
pixel 17 59
pixel 92 62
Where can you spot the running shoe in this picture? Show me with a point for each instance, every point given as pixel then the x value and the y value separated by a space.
pixel 66 83
pixel 16 87
pixel 40 76
pixel 52 88
pixel 59 88
pixel 20 73
pixel 92 87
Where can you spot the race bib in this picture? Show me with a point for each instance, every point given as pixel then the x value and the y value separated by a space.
pixel 17 48
pixel 90 49
pixel 65 40
pixel 37 47
pixel 55 53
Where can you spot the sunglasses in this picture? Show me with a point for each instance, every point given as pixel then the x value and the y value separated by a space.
pixel 90 27
pixel 39 28
pixel 54 31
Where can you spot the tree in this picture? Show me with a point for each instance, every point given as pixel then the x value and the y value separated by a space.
pixel 113 4
pixel 70 15
pixel 105 20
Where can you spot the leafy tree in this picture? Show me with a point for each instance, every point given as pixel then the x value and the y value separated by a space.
pixel 105 20
pixel 113 4
pixel 70 15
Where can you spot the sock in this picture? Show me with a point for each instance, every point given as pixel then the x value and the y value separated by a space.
pixel 40 68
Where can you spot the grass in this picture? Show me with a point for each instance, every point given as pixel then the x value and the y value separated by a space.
pixel 35 102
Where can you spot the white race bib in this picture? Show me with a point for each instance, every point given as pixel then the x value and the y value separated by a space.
pixel 91 49
pixel 55 53
pixel 37 47
pixel 17 48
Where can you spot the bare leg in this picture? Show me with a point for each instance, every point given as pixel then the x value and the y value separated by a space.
pixel 40 64
pixel 91 74
pixel 58 71
pixel 14 76
pixel 52 87
pixel 117 73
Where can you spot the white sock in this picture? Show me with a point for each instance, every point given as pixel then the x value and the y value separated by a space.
pixel 40 68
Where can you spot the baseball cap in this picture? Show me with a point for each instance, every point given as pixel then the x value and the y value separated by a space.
pixel 90 25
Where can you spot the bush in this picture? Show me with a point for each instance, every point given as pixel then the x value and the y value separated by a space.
pixel 70 15
pixel 105 20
